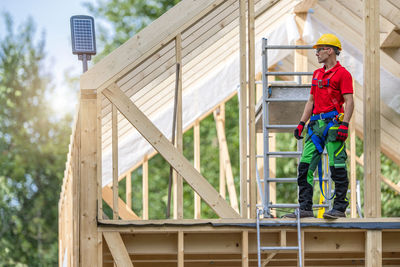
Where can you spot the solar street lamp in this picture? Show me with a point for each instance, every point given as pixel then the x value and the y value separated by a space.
pixel 83 38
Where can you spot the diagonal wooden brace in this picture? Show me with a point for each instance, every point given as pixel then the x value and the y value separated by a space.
pixel 151 133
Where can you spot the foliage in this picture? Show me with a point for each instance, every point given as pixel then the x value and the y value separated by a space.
pixel 33 149
pixel 123 19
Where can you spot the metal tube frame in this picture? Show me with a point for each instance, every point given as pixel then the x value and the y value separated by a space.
pixel 266 126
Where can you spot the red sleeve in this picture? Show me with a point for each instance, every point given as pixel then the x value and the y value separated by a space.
pixel 346 83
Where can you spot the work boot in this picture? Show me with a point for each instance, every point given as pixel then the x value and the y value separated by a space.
pixel 334 214
pixel 303 214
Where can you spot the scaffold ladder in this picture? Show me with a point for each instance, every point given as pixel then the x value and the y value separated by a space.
pixel 280 94
pixel 286 248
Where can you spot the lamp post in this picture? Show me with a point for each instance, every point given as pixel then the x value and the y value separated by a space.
pixel 83 38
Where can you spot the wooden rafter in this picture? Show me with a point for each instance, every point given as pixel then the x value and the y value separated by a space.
pixel 226 160
pixel 169 152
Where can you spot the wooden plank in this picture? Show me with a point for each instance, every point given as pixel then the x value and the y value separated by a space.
pixel 332 13
pixel 300 55
pixel 128 186
pixel 373 248
pixel 372 122
pixel 243 111
pixel 196 138
pixel 353 173
pixel 170 153
pixel 117 248
pixel 390 12
pixel 251 111
pixel 99 249
pixel 115 161
pixel 245 248
pixel 99 159
pixel 181 251
pixel 145 188
pixel 222 181
pixel 304 6
pixel 146 42
pixel 268 259
pixel 76 146
pixel 178 182
pixel 227 162
pixel 88 179
pixel 124 211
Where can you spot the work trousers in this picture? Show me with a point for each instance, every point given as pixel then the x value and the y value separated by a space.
pixel 337 164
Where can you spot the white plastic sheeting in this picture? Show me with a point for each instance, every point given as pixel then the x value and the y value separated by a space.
pixel 352 59
pixel 199 99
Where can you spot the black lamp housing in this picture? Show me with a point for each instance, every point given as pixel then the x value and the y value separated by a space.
pixel 83 35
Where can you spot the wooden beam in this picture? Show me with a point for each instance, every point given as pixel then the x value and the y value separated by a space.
pixel 196 138
pixel 373 248
pixel 222 181
pixel 169 152
pixel 145 188
pixel 243 111
pixel 245 248
pixel 268 259
pixel 145 43
pixel 124 211
pixel 304 6
pixel 181 251
pixel 353 171
pixel 227 162
pixel 178 182
pixel 392 39
pixel 390 12
pixel 128 186
pixel 117 248
pixel 372 122
pixel 251 110
pixel 88 178
pixel 115 161
pixel 99 159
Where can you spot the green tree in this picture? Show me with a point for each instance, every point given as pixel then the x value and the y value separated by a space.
pixel 123 19
pixel 33 149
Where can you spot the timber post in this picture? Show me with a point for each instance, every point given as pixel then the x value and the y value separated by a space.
pixel 88 179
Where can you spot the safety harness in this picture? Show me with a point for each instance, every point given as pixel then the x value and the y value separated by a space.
pixel 319 142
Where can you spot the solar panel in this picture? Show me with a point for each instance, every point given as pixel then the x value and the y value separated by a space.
pixel 83 35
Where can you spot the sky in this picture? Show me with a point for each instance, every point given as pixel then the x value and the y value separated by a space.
pixel 53 17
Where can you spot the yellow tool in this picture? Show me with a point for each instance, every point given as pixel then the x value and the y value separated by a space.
pixel 340 117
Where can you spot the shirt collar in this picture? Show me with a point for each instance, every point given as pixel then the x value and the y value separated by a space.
pixel 334 67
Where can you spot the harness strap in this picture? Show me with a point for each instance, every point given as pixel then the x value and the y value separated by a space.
pixel 326 83
pixel 319 143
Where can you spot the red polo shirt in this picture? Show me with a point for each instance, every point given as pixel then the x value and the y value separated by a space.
pixel 341 83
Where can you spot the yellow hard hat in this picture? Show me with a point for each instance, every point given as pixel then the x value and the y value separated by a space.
pixel 329 39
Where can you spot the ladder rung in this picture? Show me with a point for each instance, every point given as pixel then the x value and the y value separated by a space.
pixel 288 47
pixel 279 248
pixel 289 180
pixel 283 126
pixel 286 73
pixel 282 85
pixel 295 206
pixel 285 100
pixel 284 154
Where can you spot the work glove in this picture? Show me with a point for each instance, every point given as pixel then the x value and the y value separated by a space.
pixel 343 131
pixel 299 130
